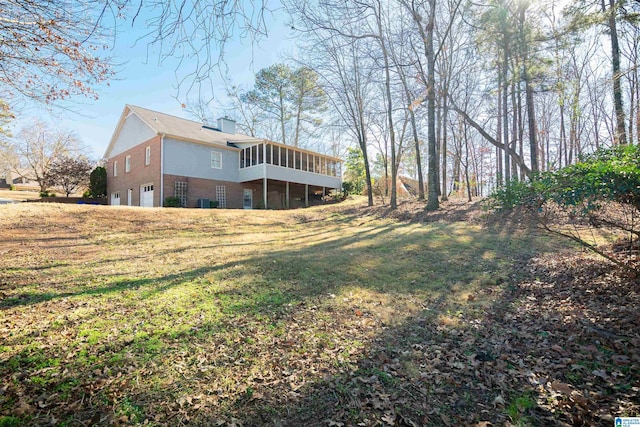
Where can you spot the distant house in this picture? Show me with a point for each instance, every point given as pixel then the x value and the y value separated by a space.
pixel 153 156
pixel 406 188
pixel 17 178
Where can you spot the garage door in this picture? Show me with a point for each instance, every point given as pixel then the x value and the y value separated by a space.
pixel 146 195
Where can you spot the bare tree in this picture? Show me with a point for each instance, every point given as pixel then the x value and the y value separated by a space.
pixel 53 50
pixel 199 110
pixel 347 80
pixel 405 66
pixel 195 34
pixel 585 13
pixel 373 21
pixel 37 147
pixel 250 118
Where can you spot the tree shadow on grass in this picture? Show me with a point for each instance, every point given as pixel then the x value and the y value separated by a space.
pixel 297 337
pixel 154 284
pixel 160 284
pixel 543 353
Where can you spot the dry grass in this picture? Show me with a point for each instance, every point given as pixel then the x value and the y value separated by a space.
pixel 116 315
pixel 19 196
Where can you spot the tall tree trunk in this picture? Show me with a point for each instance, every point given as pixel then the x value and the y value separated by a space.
pixel 362 140
pixel 466 162
pixel 499 166
pixel 443 150
pixel 387 86
pixel 505 118
pixel 520 128
pixel 531 116
pixel 533 144
pixel 562 144
pixel 439 130
pixel 637 105
pixel 634 101
pixel 282 119
pixel 385 162
pixel 621 135
pixel 517 111
pixel 367 173
pixel 298 120
pixel 432 194
pixel 416 140
pixel 455 178
pixel 481 174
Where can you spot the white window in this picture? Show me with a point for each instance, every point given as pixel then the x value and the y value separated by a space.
pixel 216 160
pixel 115 168
pixel 147 156
pixel 127 164
pixel 221 196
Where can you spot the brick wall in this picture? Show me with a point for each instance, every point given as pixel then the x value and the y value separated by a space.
pixel 199 188
pixel 140 174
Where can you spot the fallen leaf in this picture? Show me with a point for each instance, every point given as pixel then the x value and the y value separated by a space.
pixel 620 359
pixel 24 409
pixel 561 387
pixel 389 418
pixel 600 373
pixel 498 400
pixel 577 397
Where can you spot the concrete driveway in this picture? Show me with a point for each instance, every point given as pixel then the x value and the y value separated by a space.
pixel 7 201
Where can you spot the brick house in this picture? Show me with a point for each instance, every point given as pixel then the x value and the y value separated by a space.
pixel 152 156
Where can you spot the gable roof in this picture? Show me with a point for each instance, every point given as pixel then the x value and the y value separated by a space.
pixel 176 127
pixel 192 131
pixel 412 186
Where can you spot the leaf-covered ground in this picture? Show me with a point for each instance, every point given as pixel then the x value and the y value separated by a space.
pixel 338 316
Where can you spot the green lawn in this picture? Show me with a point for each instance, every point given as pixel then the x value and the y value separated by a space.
pixel 322 316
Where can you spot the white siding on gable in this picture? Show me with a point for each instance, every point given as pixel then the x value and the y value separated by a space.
pixel 134 131
pixel 195 160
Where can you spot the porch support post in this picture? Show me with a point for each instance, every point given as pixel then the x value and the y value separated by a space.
pixel 264 180
pixel 306 195
pixel 324 191
pixel 264 191
pixel 287 196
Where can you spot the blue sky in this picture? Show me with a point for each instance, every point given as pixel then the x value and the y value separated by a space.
pixel 142 81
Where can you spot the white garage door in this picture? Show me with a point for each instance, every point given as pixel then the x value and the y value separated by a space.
pixel 146 195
